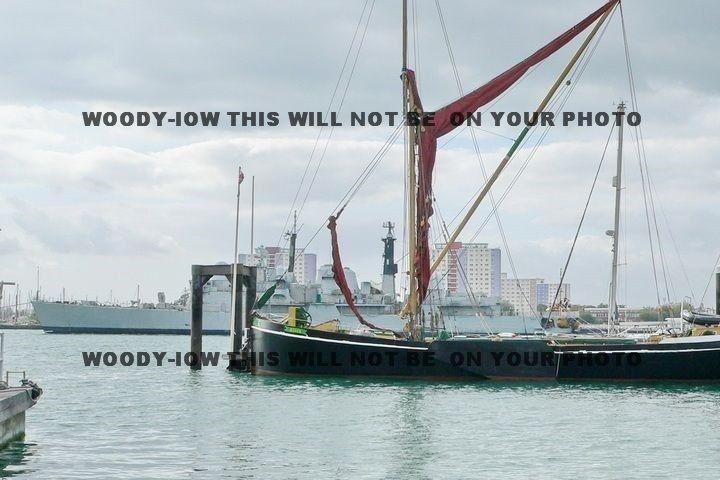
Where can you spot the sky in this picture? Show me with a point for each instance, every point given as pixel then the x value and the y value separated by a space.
pixel 105 209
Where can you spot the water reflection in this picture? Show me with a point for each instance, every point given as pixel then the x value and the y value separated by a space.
pixel 15 457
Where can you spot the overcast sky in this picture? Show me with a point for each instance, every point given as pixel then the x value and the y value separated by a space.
pixel 101 209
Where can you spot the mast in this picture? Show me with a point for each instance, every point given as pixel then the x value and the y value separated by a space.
pixel 411 140
pixel 613 316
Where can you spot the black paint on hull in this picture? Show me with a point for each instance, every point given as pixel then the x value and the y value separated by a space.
pixel 275 351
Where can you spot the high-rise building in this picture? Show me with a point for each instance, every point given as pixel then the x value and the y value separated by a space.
pixel 277 259
pixel 468 267
pixel 525 294
pixel 548 293
pixel 521 293
pixel 305 265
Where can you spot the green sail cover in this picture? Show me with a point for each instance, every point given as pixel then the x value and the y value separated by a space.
pixel 265 297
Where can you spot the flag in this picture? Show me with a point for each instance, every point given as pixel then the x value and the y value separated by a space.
pixel 241 176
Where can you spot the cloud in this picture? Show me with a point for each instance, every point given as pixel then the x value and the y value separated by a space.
pixel 87 233
pixel 168 194
pixel 9 246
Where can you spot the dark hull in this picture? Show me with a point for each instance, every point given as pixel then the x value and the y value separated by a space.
pixel 276 352
pixel 681 362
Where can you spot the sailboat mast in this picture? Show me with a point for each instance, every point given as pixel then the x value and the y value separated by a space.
pixel 613 316
pixel 410 141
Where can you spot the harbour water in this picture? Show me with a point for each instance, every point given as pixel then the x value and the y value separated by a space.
pixel 168 422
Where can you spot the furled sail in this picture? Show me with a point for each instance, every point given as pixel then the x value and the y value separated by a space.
pixel 450 117
pixel 339 272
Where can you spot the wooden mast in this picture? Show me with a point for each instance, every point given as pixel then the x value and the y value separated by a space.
pixel 411 140
pixel 501 166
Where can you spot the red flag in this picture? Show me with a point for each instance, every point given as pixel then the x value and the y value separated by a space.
pixel 241 176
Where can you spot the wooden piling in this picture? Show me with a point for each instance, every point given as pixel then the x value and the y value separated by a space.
pixel 196 322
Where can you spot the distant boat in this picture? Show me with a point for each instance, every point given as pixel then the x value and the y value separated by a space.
pixel 705 319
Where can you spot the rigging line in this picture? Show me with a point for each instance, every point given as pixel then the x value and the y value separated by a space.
pixel 517 176
pixel 650 238
pixel 317 139
pixel 477 192
pixel 364 175
pixel 702 299
pixel 480 159
pixel 369 172
pixel 663 262
pixel 342 101
pixel 582 220
pixel 639 140
pixel 474 127
pixel 663 257
pixel 466 282
pixel 370 165
pixel 484 111
pixel 677 251
pixel 577 74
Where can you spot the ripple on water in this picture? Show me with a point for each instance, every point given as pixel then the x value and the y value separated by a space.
pixel 168 422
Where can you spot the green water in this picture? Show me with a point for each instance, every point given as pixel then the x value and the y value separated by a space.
pixel 168 422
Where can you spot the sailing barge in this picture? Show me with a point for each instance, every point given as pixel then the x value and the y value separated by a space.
pixel 295 346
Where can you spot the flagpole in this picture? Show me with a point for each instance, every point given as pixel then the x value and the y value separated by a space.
pixel 235 259
pixel 252 221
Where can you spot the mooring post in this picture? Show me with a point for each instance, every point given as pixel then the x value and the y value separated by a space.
pixel 196 323
pixel 717 291
pixel 250 295
pixel 241 341
pixel 237 333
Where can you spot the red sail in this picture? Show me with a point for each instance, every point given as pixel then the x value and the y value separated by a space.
pixel 453 115
pixel 339 272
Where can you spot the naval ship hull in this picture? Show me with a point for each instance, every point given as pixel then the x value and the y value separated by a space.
pixel 56 317
pixel 275 351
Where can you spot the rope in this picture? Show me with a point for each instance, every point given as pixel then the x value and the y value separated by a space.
pixel 565 94
pixel 480 159
pixel 580 224
pixel 639 143
pixel 342 101
pixel 362 178
pixel 327 112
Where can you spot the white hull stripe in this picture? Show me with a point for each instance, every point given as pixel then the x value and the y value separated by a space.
pixel 684 350
pixel 343 342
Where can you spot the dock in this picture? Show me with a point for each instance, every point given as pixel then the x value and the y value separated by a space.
pixel 244 280
pixel 13 404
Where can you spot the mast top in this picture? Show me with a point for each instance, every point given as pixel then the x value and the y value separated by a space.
pixel 390 229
